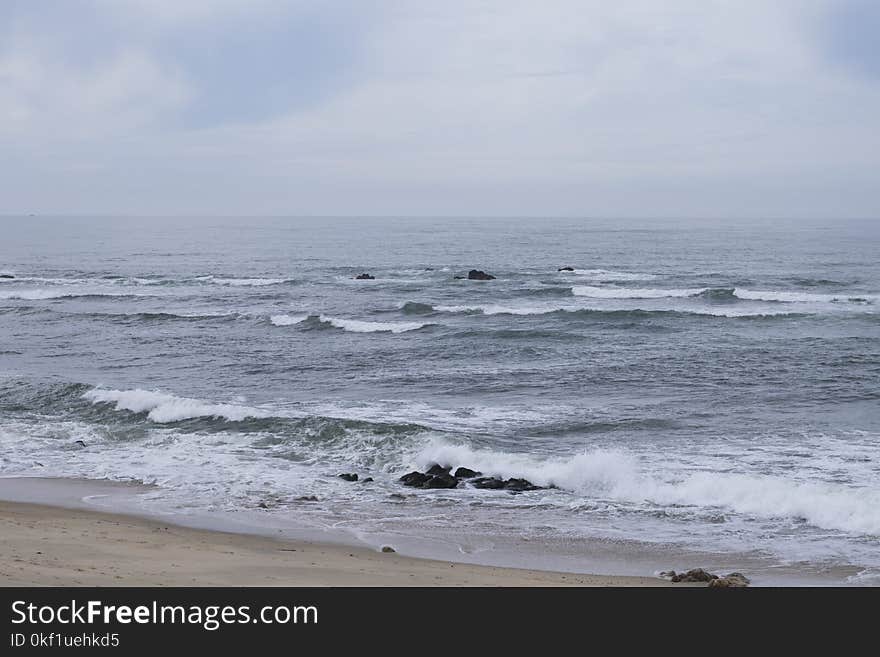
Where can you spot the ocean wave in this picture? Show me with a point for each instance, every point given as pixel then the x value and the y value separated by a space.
pixel 287 320
pixel 634 313
pixel 603 275
pixel 785 296
pixel 162 407
pixel 618 476
pixel 416 308
pixel 360 326
pixel 717 294
pixel 243 282
pixel 627 293
pixel 45 294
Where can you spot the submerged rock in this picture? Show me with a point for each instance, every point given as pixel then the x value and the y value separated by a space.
pixel 466 473
pixel 307 498
pixel 349 476
pixel 492 483
pixel 479 275
pixel 441 481
pixel 365 277
pixel 519 485
pixel 6 276
pixel 565 269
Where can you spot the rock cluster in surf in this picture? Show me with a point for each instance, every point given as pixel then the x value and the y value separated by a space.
pixel 438 476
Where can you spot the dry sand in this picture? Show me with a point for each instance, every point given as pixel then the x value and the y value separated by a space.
pixel 52 546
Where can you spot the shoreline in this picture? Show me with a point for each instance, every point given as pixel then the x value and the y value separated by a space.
pixel 47 545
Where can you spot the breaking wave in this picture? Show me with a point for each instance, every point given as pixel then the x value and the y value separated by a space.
pixel 360 326
pixel 614 475
pixel 162 407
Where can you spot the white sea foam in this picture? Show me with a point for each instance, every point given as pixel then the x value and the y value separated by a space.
pixel 607 275
pixel 630 293
pixel 801 297
pixel 41 294
pixel 162 407
pixel 287 320
pixel 249 282
pixel 360 326
pixel 493 309
pixel 618 476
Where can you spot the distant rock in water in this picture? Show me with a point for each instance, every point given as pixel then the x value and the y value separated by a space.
pixel 466 473
pixel 349 476
pixel 6 276
pixel 365 277
pixel 565 269
pixel 479 275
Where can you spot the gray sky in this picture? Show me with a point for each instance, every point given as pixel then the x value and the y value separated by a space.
pixel 494 107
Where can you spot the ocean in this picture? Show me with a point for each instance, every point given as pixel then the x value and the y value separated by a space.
pixel 692 393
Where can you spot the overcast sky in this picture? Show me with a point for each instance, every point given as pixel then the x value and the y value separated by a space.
pixel 496 107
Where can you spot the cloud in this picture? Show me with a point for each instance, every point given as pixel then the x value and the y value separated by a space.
pixel 562 107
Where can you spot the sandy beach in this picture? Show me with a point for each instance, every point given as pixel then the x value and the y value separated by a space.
pixel 44 545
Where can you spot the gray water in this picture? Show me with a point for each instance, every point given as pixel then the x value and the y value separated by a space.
pixel 692 387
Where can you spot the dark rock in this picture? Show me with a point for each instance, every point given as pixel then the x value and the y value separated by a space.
pixel 6 276
pixel 388 549
pixel 694 575
pixel 479 275
pixel 466 473
pixel 367 480
pixel 307 498
pixel 81 443
pixel 438 469
pixel 565 269
pixel 441 481
pixel 519 485
pixel 364 277
pixel 349 476
pixel 731 581
pixel 414 479
pixel 492 483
